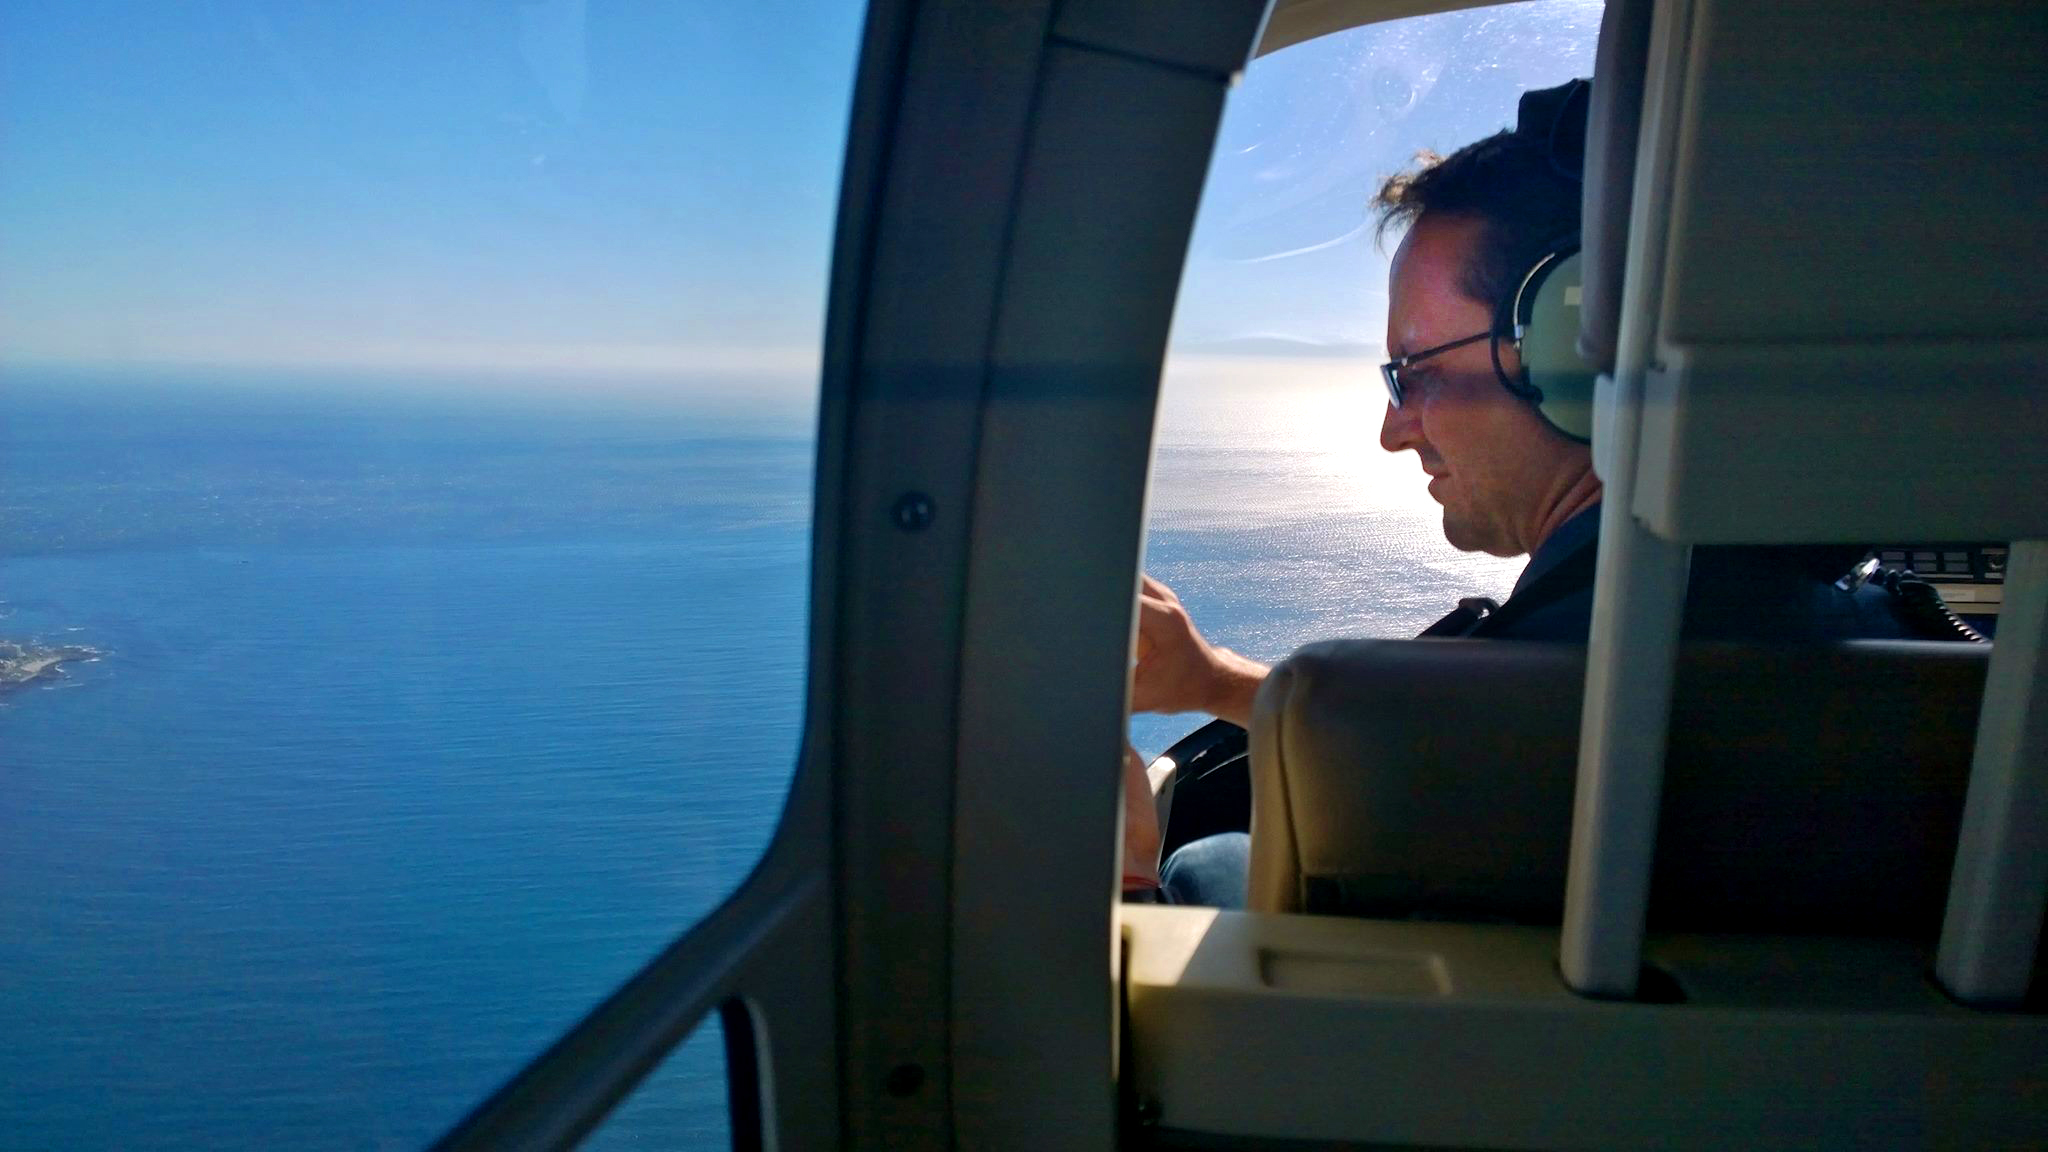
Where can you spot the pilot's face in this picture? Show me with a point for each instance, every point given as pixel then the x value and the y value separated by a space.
pixel 1495 465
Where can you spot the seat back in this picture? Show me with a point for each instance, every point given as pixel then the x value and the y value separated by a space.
pixel 1807 789
pixel 1826 335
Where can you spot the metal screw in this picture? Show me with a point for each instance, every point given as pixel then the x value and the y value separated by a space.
pixel 904 1080
pixel 913 512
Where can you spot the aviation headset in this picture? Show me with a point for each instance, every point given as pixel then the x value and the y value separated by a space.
pixel 1541 317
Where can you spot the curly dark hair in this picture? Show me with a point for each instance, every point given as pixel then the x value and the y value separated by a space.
pixel 1510 181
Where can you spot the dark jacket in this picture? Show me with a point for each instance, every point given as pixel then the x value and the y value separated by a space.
pixel 1735 593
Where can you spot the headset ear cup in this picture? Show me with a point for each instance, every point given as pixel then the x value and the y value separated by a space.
pixel 1547 314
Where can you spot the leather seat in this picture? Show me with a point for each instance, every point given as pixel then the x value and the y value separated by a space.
pixel 1807 788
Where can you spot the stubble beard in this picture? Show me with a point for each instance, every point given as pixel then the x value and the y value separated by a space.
pixel 1469 533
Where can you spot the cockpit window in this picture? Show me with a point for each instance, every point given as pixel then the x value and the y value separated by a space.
pixel 1276 517
pixel 406 420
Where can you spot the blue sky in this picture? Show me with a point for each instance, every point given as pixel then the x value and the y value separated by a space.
pixel 598 185
pixel 1285 254
pixel 452 179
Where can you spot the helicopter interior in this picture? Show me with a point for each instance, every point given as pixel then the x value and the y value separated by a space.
pixel 1639 894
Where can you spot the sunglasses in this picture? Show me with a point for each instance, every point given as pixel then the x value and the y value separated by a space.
pixel 1391 370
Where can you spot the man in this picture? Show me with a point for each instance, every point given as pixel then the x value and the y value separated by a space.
pixel 1510 482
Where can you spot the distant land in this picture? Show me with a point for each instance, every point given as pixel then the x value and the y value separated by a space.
pixel 1275 348
pixel 22 663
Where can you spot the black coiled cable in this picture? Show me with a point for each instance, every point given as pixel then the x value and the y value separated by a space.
pixel 1923 609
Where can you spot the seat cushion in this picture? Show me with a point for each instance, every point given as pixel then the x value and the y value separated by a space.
pixel 1807 788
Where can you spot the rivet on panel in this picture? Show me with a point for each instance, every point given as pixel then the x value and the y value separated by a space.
pixel 913 512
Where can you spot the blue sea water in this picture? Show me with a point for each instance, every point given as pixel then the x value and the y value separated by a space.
pixel 427 714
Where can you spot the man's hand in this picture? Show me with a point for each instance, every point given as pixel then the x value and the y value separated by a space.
pixel 1178 671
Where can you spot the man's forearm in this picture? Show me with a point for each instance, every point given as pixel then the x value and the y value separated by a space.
pixel 1236 683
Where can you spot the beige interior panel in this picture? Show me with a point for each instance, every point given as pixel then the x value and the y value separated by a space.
pixel 1068 401
pixel 1859 170
pixel 1868 442
pixel 1294 21
pixel 1847 336
pixel 1462 1036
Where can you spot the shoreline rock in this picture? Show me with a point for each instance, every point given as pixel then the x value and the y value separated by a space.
pixel 22 664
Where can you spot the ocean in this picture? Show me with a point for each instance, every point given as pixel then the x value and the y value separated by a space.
pixel 427 711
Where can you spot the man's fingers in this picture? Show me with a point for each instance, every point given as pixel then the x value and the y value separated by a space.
pixel 1154 588
pixel 1171 654
pixel 1154 615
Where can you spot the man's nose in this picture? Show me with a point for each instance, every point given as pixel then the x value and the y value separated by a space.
pixel 1400 429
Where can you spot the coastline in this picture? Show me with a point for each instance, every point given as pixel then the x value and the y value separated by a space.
pixel 23 664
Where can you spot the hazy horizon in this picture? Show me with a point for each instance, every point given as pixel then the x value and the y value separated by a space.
pixel 416 405
pixel 576 186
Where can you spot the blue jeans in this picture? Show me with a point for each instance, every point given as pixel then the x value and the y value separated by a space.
pixel 1211 871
